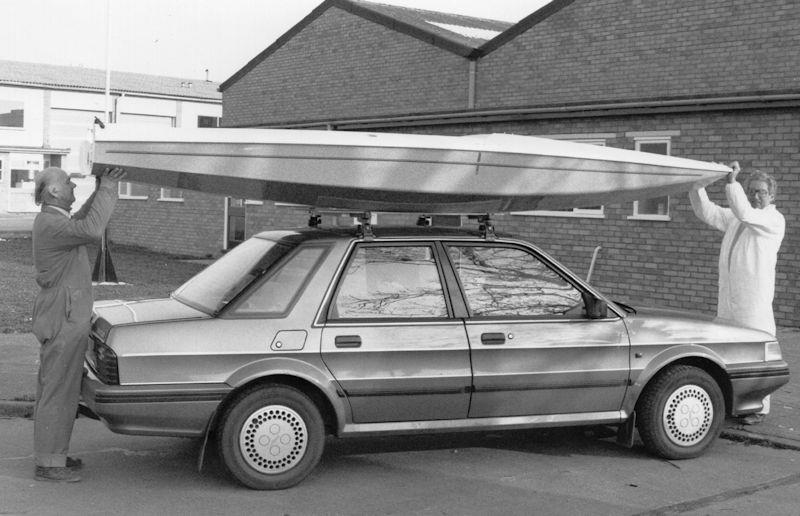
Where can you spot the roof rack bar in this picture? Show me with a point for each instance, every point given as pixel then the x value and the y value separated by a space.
pixel 485 225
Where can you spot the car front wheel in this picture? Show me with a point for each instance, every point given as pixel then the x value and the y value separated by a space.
pixel 680 413
pixel 271 437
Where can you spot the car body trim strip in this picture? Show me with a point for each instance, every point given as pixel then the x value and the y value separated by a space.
pixel 474 424
pixel 151 395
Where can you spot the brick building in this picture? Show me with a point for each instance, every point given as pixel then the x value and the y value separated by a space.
pixel 714 80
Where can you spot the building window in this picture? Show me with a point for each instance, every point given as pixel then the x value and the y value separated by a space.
pixel 208 121
pixel 591 212
pixel 12 113
pixel 133 190
pixel 21 178
pixel 52 160
pixel 654 208
pixel 171 194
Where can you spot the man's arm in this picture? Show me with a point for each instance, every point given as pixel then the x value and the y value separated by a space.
pixel 94 218
pixel 710 213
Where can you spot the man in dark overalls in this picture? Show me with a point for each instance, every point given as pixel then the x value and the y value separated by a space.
pixel 63 308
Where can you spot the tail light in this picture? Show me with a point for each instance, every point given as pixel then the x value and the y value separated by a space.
pixel 105 363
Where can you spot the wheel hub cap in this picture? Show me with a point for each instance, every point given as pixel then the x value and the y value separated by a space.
pixel 688 414
pixel 274 439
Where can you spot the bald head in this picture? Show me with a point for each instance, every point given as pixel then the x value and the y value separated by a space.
pixel 54 187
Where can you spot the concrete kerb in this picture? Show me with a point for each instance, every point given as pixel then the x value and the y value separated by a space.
pixel 781 429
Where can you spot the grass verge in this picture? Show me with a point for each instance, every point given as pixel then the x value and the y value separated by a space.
pixel 145 274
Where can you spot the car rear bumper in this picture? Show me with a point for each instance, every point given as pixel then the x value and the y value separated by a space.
pixel 165 410
pixel 752 383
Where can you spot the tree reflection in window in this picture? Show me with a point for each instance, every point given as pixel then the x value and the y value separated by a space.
pixel 505 281
pixel 391 281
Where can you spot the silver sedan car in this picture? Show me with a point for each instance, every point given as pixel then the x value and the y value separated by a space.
pixel 299 334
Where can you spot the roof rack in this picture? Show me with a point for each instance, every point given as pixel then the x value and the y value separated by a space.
pixel 364 218
pixel 485 225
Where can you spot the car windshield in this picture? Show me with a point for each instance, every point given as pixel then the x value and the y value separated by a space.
pixel 216 285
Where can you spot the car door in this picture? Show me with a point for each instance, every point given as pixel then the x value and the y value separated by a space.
pixel 534 349
pixel 390 339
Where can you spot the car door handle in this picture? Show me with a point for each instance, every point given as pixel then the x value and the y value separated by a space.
pixel 493 339
pixel 347 341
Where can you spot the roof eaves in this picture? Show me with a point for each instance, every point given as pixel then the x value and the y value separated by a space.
pixel 364 11
pixel 278 43
pixel 85 88
pixel 522 26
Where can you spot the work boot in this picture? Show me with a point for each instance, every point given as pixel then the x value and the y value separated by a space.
pixel 56 474
pixel 74 463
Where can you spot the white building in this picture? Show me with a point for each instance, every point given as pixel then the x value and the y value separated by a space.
pixel 48 113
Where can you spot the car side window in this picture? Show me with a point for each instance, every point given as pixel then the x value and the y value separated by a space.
pixel 507 281
pixel 390 282
pixel 277 293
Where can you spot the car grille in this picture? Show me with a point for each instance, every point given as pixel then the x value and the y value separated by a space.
pixel 105 363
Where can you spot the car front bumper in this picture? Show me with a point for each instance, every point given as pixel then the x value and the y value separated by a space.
pixel 751 383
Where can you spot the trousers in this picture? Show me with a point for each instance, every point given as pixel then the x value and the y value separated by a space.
pixel 58 392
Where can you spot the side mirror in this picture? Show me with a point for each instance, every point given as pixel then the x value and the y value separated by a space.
pixel 595 308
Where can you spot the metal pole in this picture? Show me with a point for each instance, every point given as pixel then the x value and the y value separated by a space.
pixel 103 271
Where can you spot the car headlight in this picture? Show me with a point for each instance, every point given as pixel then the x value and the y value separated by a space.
pixel 772 351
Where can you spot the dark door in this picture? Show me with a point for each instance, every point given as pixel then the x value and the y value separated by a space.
pixel 236 219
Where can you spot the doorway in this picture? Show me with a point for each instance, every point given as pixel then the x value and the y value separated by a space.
pixel 235 222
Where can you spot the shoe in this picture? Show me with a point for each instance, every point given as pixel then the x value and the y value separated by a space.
pixel 56 474
pixel 74 463
pixel 752 419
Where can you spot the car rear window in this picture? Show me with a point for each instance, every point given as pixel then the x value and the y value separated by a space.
pixel 216 285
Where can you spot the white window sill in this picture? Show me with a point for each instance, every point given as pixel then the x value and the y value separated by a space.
pixel 134 197
pixel 573 215
pixel 166 199
pixel 255 203
pixel 662 218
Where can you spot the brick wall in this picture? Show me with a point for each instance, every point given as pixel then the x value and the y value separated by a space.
pixel 597 50
pixel 342 65
pixel 193 227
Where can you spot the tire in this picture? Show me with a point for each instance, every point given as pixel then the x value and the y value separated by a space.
pixel 680 413
pixel 271 437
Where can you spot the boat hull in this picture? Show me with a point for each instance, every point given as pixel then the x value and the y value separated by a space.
pixel 395 172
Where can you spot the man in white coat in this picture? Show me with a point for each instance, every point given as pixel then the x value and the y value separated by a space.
pixel 753 230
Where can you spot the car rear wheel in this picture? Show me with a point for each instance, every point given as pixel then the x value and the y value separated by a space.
pixel 271 437
pixel 680 413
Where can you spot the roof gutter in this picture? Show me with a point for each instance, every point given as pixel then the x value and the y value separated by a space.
pixel 98 89
pixel 555 112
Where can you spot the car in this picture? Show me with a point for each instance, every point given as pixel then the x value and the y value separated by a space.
pixel 298 334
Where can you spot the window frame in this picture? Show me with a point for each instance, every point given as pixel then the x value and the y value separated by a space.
pixel 164 198
pixel 438 260
pixel 638 141
pixel 541 257
pixel 126 195
pixel 11 109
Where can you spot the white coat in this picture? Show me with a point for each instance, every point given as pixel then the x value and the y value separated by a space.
pixel 747 255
